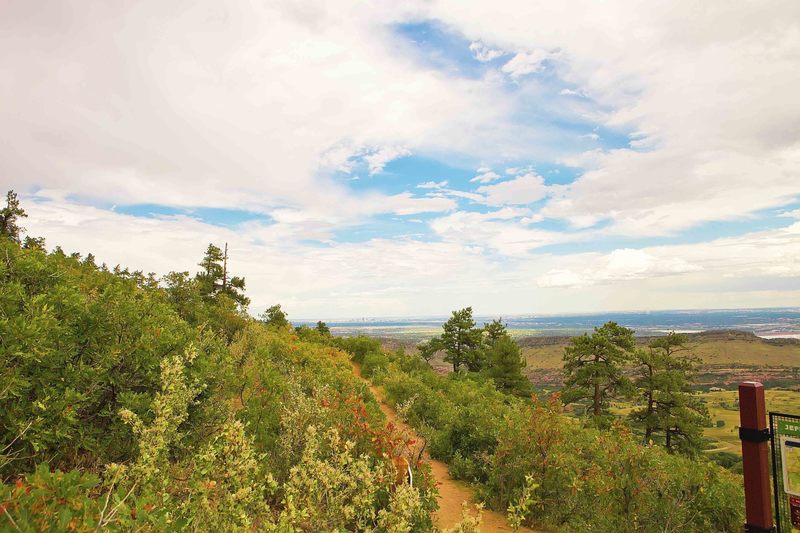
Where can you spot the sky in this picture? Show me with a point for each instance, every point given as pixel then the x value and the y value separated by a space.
pixel 367 159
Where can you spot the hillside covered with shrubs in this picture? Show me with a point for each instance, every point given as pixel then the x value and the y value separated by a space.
pixel 548 469
pixel 131 402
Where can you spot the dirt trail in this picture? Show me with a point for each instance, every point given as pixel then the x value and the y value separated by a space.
pixel 452 493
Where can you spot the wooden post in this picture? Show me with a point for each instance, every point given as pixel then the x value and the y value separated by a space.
pixel 754 435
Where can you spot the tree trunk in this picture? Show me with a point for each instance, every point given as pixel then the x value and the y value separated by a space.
pixel 596 399
pixel 596 407
pixel 648 428
pixel 225 268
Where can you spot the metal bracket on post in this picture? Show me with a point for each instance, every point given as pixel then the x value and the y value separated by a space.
pixel 755 435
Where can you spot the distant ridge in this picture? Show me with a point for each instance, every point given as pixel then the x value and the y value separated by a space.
pixel 532 341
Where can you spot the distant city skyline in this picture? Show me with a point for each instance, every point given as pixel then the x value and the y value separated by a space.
pixel 385 160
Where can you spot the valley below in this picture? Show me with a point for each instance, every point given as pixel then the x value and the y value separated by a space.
pixel 728 357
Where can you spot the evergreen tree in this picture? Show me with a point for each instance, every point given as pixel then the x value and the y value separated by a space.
pixel 9 215
pixel 505 363
pixel 323 328
pixel 34 243
pixel 211 276
pixel 90 261
pixel 494 331
pixel 214 279
pixel 428 349
pixel 665 373
pixel 274 316
pixel 593 366
pixel 462 340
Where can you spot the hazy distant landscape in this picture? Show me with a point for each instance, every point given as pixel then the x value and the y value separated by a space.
pixel 734 345
pixel 765 349
pixel 766 323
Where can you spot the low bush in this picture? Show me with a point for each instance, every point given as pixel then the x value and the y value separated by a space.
pixel 373 363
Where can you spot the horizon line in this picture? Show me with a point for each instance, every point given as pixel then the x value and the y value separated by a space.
pixel 578 313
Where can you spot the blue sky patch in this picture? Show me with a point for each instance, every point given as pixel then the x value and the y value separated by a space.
pixel 444 50
pixel 211 215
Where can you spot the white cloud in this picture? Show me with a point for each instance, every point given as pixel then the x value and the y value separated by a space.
pixel 409 277
pixel 205 122
pixel 432 185
pixel 795 213
pixel 244 114
pixel 520 190
pixel 697 157
pixel 733 264
pixel 255 106
pixel 339 158
pixel 471 196
pixel 563 279
pixel 525 63
pixel 406 204
pixel 486 177
pixel 533 219
pixel 515 171
pixel 620 265
pixel 350 279
pixel 497 230
pixel 483 53
pixel 381 157
pixel 572 92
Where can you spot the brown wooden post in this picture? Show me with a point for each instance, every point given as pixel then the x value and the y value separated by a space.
pixel 754 435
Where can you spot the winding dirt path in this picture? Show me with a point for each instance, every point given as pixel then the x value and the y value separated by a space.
pixel 452 493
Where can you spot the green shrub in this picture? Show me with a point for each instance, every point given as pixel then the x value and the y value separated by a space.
pixel 373 363
pixel 358 346
pixel 729 460
pixel 50 501
pixel 333 488
pixel 79 344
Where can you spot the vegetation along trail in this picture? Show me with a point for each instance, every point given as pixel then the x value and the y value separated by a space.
pixel 452 494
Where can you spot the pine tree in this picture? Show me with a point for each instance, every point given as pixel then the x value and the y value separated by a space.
pixel 211 275
pixel 34 243
pixel 593 365
pixel 274 316
pixel 214 280
pixel 461 340
pixel 323 328
pixel 9 215
pixel 494 331
pixel 505 363
pixel 666 370
pixel 428 349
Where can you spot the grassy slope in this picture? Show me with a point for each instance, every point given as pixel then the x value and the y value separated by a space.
pixel 722 406
pixel 712 350
pixel 717 351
